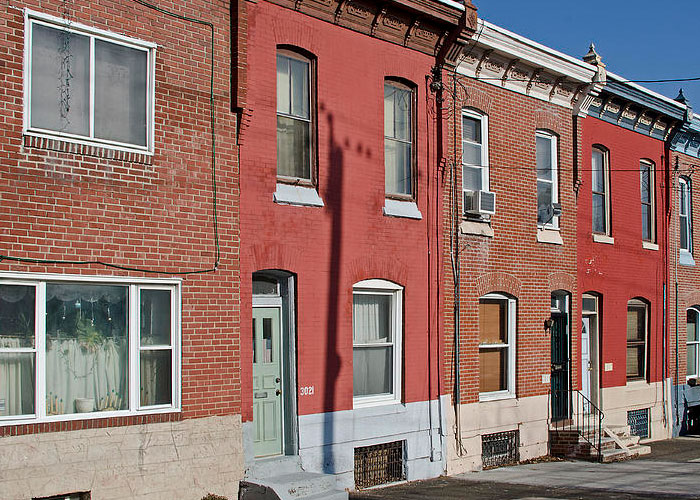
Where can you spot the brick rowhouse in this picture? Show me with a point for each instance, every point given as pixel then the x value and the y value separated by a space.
pixel 148 203
pixel 312 243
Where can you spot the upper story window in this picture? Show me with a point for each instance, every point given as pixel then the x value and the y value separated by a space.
pixel 399 139
pixel 646 188
pixel 76 348
pixel 693 343
pixel 88 85
pixel 547 178
pixel 295 117
pixel 497 317
pixel 600 166
pixel 377 329
pixel 685 214
pixel 637 336
pixel 475 157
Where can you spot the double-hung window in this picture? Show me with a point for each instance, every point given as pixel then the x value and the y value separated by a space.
pixel 376 337
pixel 399 151
pixel 88 85
pixel 475 158
pixel 685 215
pixel 73 348
pixel 693 343
pixel 295 117
pixel 646 188
pixel 497 319
pixel 601 187
pixel 547 178
pixel 637 335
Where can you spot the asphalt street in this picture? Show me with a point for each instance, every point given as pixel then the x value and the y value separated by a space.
pixel 672 470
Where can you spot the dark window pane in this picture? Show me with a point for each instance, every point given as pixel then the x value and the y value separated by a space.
pixel 156 327
pixel 373 370
pixel 156 377
pixel 293 148
pixel 544 158
pixel 17 312
pixel 471 129
pixel 471 178
pixel 599 223
pixel 17 383
pixel 397 158
pixel 544 202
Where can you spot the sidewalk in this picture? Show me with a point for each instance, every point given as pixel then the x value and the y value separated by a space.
pixel 671 471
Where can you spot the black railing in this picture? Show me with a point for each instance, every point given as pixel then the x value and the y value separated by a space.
pixel 581 415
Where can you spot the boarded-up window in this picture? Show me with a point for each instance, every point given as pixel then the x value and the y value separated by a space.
pixel 495 344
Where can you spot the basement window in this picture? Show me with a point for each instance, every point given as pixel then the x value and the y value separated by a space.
pixel 379 464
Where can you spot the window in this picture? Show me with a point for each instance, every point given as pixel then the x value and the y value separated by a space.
pixel 646 187
pixel 398 139
pixel 637 334
pixel 547 181
pixel 600 186
pixel 496 346
pixel 294 117
pixel 376 336
pixel 685 214
pixel 475 158
pixel 71 348
pixel 693 343
pixel 87 85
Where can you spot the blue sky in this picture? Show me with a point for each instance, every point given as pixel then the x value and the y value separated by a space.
pixel 637 39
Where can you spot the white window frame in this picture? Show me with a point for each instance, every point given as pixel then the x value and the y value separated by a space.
pixel 32 17
pixel 554 152
pixel 684 184
pixel 639 304
pixel 511 322
pixel 485 171
pixel 133 323
pixel 383 287
pixel 652 202
pixel 606 194
pixel 291 54
pixel 388 82
pixel 694 342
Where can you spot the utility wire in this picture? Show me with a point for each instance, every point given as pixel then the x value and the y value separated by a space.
pixel 213 174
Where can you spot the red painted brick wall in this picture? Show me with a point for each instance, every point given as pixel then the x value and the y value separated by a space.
pixel 331 248
pixel 624 270
pixel 513 261
pixel 148 214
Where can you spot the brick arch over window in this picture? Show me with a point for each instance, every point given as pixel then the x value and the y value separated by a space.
pixel 378 268
pixel 546 119
pixel 275 256
pixel 475 98
pixel 498 281
pixel 691 298
pixel 289 34
pixel 562 281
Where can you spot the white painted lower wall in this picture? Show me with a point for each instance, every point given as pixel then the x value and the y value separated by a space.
pixel 327 441
pixel 617 401
pixel 528 415
pixel 185 459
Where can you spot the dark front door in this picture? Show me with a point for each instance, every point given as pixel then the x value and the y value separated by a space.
pixel 560 367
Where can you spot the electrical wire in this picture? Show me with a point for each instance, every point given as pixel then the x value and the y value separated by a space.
pixel 213 174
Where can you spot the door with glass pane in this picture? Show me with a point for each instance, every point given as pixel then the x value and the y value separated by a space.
pixel 267 382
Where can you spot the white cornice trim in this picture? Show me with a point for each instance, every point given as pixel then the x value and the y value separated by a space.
pixel 516 46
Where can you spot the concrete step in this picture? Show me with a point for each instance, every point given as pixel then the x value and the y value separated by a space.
pixel 614 455
pixel 330 495
pixel 639 449
pixel 276 466
pixel 301 485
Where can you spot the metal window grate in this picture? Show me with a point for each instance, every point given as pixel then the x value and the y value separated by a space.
pixel 500 448
pixel 379 464
pixel 638 420
pixel 83 495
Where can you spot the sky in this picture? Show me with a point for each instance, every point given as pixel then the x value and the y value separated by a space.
pixel 637 39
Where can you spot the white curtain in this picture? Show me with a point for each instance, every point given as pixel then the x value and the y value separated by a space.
pixel 16 379
pixel 76 371
pixel 372 366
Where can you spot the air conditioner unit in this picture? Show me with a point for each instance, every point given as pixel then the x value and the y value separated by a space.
pixel 479 202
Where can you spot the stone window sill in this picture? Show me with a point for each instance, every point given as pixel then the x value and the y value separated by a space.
pixel 603 238
pixel 685 258
pixel 649 245
pixel 401 208
pixel 303 196
pixel 477 228
pixel 548 235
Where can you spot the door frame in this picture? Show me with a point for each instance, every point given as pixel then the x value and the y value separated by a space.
pixel 594 336
pixel 284 299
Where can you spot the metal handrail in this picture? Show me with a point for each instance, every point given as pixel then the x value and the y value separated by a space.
pixel 584 417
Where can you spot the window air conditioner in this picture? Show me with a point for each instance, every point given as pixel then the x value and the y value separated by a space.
pixel 479 203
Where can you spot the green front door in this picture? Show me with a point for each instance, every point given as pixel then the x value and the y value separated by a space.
pixel 267 383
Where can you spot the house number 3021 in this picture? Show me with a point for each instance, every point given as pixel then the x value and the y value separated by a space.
pixel 307 390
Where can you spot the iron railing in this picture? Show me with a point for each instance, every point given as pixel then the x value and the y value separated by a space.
pixel 582 416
